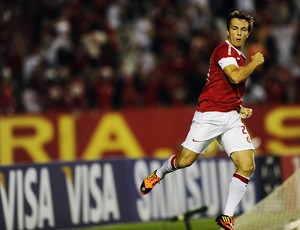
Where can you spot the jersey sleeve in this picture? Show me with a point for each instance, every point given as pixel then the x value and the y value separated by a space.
pixel 227 61
pixel 224 57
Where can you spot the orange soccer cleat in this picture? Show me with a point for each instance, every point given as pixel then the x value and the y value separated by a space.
pixel 149 183
pixel 225 222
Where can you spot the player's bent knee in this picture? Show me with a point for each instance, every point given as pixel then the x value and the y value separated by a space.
pixel 186 158
pixel 247 170
pixel 251 168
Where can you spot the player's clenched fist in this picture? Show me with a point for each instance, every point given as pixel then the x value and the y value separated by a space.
pixel 245 112
pixel 258 58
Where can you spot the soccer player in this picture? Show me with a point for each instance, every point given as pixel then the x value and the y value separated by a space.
pixel 218 116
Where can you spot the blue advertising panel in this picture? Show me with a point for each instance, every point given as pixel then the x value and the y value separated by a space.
pixel 88 193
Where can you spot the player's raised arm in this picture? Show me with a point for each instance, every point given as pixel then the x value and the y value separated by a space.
pixel 237 74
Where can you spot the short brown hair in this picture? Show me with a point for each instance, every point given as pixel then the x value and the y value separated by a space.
pixel 241 15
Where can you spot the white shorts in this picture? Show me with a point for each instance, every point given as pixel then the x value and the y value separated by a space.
pixel 226 127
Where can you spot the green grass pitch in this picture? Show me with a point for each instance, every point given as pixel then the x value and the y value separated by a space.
pixel 202 223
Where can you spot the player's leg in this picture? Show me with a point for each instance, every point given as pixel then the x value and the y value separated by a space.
pixel 185 159
pixel 245 165
pixel 194 144
pixel 182 160
pixel 239 147
pixel 244 162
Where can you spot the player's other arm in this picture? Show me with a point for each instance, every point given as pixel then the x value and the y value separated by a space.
pixel 237 74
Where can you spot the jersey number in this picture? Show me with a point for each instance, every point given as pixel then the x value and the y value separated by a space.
pixel 244 131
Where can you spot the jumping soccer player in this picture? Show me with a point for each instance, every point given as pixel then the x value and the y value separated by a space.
pixel 218 116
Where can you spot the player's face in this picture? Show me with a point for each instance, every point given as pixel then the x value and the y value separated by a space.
pixel 238 32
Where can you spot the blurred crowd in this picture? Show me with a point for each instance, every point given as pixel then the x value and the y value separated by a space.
pixel 70 55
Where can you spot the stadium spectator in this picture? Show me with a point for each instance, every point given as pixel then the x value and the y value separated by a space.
pixel 6 92
pixel 138 40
